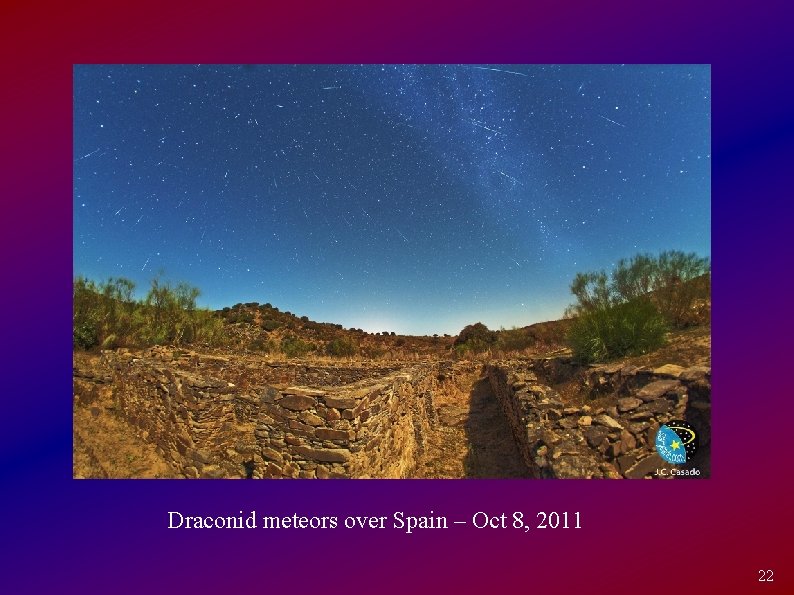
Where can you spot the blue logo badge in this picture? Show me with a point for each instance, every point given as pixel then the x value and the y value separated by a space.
pixel 676 442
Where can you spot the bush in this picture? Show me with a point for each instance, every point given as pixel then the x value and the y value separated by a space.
pixel 342 347
pixel 515 339
pixel 106 315
pixel 245 317
pixel 629 313
pixel 631 328
pixel 292 346
pixel 266 345
pixel 84 335
pixel 373 352
pixel 474 337
pixel 110 342
pixel 674 281
pixel 270 325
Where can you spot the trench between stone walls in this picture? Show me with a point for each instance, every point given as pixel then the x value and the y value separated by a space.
pixel 605 425
pixel 216 417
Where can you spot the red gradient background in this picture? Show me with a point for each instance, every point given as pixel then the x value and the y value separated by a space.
pixel 712 536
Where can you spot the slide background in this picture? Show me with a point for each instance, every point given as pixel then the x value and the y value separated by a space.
pixel 62 535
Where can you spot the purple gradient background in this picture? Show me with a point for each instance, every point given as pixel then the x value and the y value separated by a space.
pixel 62 535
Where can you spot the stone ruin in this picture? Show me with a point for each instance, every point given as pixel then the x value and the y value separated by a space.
pixel 214 417
pixel 284 420
pixel 589 441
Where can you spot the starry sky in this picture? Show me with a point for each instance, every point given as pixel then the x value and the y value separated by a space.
pixel 407 198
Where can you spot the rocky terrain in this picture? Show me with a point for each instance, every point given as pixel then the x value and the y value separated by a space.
pixel 165 412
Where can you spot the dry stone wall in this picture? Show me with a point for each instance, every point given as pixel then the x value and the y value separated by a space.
pixel 212 416
pixel 589 441
pixel 207 426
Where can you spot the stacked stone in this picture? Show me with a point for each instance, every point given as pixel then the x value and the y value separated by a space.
pixel 207 427
pixel 586 441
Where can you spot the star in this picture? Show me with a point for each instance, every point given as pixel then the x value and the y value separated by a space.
pixel 401 177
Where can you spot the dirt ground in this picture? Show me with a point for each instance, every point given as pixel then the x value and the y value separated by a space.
pixel 472 437
pixel 107 446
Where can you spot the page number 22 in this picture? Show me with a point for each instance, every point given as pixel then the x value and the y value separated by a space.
pixel 765 576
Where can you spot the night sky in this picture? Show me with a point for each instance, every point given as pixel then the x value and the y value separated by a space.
pixel 415 199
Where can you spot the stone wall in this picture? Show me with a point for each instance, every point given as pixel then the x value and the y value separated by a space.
pixel 212 416
pixel 207 426
pixel 243 369
pixel 615 439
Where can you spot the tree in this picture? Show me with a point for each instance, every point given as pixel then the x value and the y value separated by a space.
pixel 474 337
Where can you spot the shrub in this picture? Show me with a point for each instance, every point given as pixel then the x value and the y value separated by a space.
pixel 106 315
pixel 515 339
pixel 342 347
pixel 270 325
pixel 84 334
pixel 673 280
pixel 629 313
pixel 631 328
pixel 292 346
pixel 373 352
pixel 266 345
pixel 245 317
pixel 474 337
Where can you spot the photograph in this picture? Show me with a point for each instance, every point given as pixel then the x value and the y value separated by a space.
pixel 402 271
pixel 440 274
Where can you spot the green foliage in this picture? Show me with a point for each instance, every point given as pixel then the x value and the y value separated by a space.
pixel 605 333
pixel 342 347
pixel 107 315
pixel 682 280
pixel 674 281
pixel 292 346
pixel 476 338
pixel 630 312
pixel 110 342
pixel 101 310
pixel 84 335
pixel 592 291
pixel 270 325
